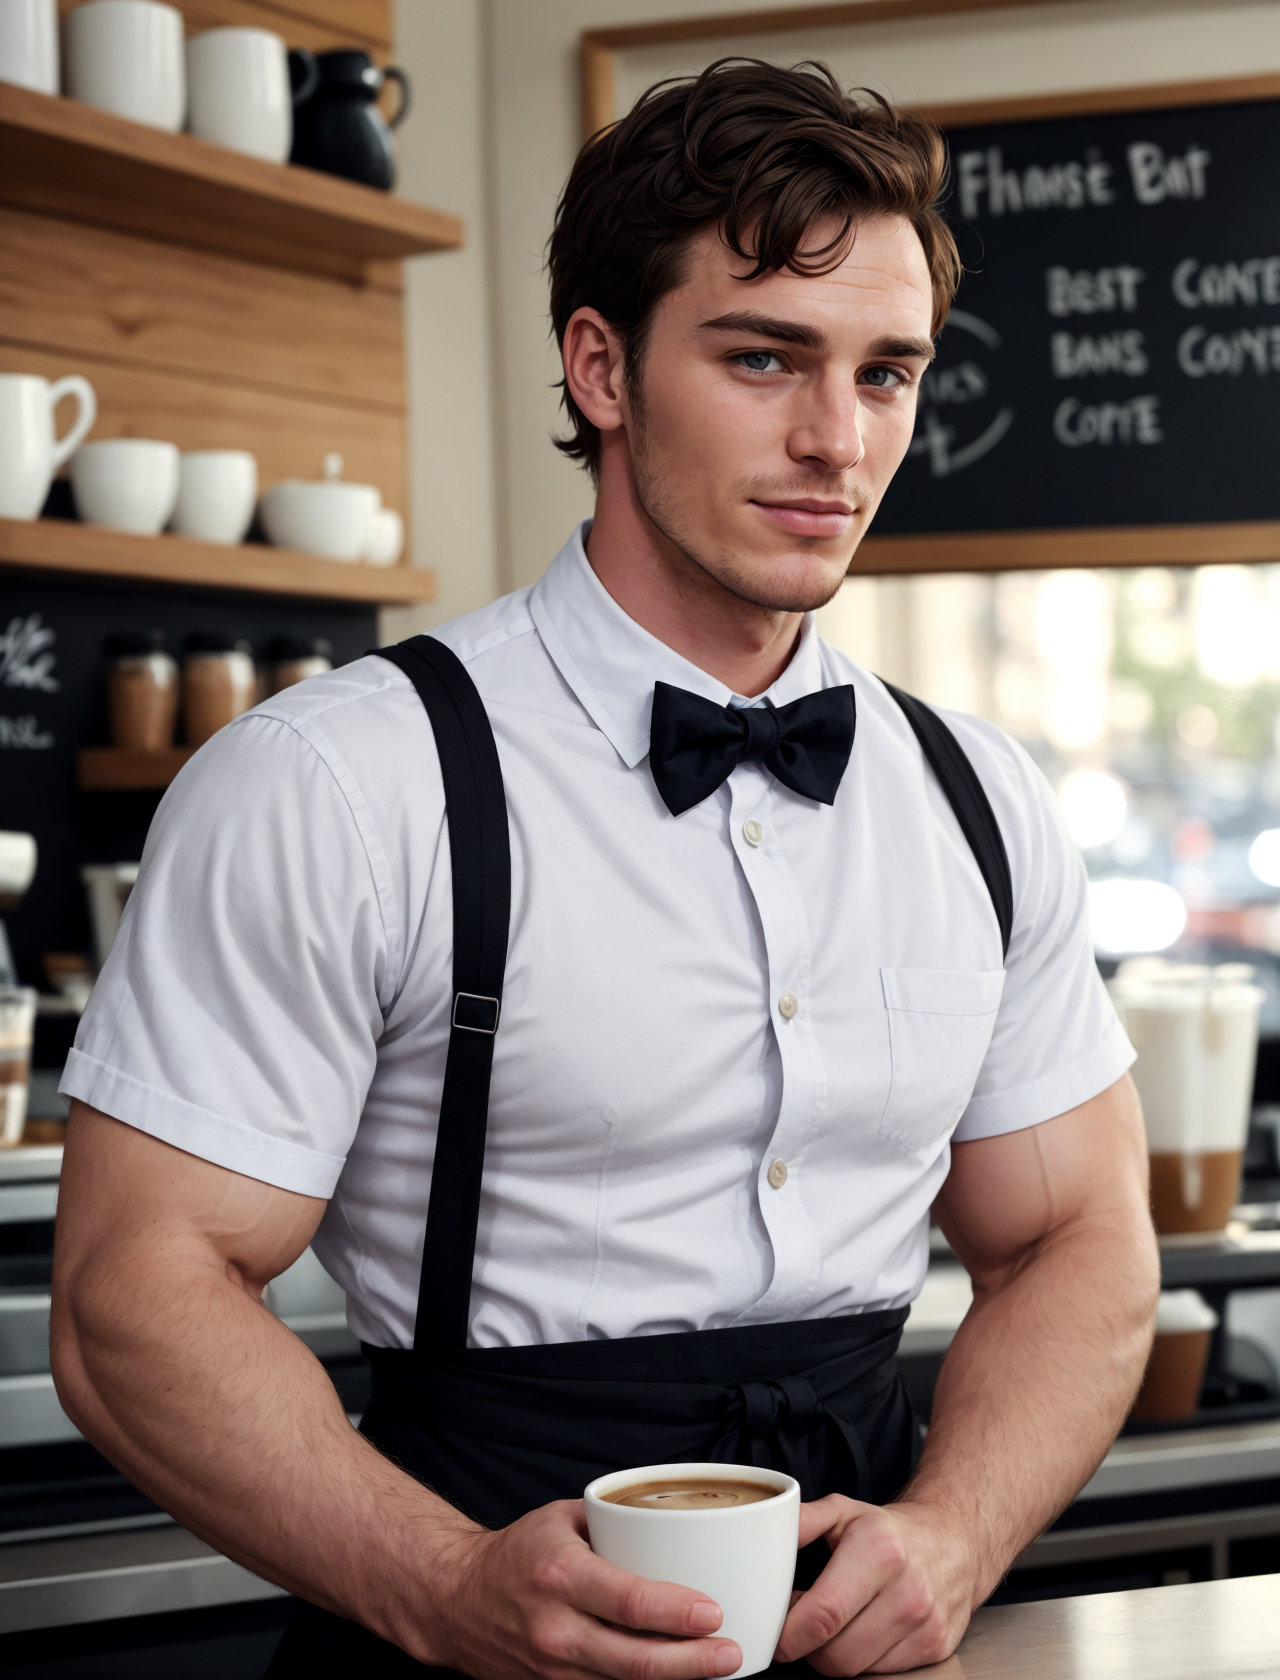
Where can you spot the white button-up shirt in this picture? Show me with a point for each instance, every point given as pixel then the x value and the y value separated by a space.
pixel 736 1045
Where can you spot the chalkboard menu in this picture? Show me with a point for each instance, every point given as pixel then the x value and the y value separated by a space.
pixel 1114 354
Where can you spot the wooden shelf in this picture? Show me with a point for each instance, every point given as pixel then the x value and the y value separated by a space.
pixel 60 546
pixel 1239 543
pixel 117 769
pixel 62 158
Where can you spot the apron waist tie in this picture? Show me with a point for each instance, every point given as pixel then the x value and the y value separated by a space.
pixel 776 1422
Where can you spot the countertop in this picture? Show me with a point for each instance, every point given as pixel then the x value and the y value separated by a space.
pixel 1210 1630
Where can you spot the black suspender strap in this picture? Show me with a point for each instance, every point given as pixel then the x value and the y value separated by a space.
pixel 967 798
pixel 480 850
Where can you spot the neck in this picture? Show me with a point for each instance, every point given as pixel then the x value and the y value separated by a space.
pixel 744 646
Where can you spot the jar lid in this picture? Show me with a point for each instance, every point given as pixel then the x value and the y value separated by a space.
pixel 213 641
pixel 124 643
pixel 281 648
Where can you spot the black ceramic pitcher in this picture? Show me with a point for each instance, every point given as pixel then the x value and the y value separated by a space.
pixel 337 127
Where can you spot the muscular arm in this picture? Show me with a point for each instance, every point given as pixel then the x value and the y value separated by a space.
pixel 1052 1225
pixel 165 1357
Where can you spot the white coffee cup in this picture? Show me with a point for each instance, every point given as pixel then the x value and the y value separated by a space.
pixel 126 56
pixel 216 492
pixel 29 44
pixel 386 541
pixel 129 484
pixel 30 452
pixel 238 92
pixel 742 1556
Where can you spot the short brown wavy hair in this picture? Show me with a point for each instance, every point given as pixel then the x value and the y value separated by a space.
pixel 763 153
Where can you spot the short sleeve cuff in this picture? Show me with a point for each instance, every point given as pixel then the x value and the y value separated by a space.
pixel 1050 1095
pixel 214 1138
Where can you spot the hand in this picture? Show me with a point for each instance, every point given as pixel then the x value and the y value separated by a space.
pixel 533 1599
pixel 897 1593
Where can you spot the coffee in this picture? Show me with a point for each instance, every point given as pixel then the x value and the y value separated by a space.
pixel 1176 1365
pixel 702 1493
pixel 1194 1192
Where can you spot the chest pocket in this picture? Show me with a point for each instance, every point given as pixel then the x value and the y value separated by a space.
pixel 940 1024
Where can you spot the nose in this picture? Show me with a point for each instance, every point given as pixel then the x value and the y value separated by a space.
pixel 828 433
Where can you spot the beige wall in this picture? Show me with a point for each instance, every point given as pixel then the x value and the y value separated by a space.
pixel 493 500
pixel 449 332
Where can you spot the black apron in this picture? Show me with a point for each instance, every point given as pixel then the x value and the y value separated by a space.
pixel 501 1431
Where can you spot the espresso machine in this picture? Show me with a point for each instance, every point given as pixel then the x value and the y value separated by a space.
pixel 17 870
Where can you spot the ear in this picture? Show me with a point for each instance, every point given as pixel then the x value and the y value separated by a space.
pixel 593 369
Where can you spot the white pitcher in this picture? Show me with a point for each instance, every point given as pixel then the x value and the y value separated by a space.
pixel 30 449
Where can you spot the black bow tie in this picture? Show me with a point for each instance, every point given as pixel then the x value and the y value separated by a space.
pixel 694 744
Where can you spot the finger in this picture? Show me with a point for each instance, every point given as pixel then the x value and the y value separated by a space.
pixel 624 1656
pixel 821 1516
pixel 614 1595
pixel 853 1578
pixel 896 1631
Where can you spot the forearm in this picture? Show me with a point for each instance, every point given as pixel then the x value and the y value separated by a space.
pixel 1036 1385
pixel 221 1415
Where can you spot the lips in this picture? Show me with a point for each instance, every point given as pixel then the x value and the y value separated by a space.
pixel 808 518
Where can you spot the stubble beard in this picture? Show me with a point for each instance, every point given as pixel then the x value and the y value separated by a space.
pixel 770 594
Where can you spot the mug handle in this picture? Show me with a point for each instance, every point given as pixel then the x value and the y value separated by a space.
pixel 305 63
pixel 73 386
pixel 394 74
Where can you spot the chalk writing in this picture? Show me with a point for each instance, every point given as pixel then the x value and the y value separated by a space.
pixel 1156 177
pixel 1251 349
pixel 23 734
pixel 962 384
pixel 1135 421
pixel 1220 285
pixel 25 657
pixel 1055 186
pixel 1120 352
pixel 1096 292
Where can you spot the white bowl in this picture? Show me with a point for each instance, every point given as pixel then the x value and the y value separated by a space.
pixel 328 517
pixel 130 484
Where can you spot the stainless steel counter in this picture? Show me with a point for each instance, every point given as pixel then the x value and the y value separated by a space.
pixel 1211 1630
pixel 57 1583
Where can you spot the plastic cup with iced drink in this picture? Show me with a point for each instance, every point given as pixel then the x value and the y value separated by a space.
pixel 1196 1033
pixel 17 1023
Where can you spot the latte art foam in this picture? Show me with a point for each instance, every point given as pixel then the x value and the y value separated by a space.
pixel 702 1494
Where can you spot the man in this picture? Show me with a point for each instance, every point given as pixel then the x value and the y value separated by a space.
pixel 756 1020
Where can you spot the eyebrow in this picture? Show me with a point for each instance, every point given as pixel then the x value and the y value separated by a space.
pixel 810 338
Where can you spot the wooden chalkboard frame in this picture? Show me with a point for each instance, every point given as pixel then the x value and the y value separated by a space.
pixel 1047 549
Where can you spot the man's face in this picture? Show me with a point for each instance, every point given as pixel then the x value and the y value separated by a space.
pixel 769 415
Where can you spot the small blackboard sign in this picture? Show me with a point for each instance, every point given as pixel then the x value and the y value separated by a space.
pixel 1114 355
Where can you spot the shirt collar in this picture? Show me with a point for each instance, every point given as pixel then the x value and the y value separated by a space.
pixel 611 663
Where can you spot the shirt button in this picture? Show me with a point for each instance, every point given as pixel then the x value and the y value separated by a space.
pixel 788 1004
pixel 752 832
pixel 778 1174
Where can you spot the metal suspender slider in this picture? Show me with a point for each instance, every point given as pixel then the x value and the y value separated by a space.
pixel 473 1013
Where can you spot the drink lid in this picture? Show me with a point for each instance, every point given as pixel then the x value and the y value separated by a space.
pixel 1181 1310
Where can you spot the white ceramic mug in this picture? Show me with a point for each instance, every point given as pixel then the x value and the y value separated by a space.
pixel 29 44
pixel 386 543
pixel 30 451
pixel 126 56
pixel 129 484
pixel 216 492
pixel 238 92
pixel 743 1556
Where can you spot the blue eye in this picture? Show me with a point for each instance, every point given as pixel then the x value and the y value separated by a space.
pixel 757 361
pixel 881 377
